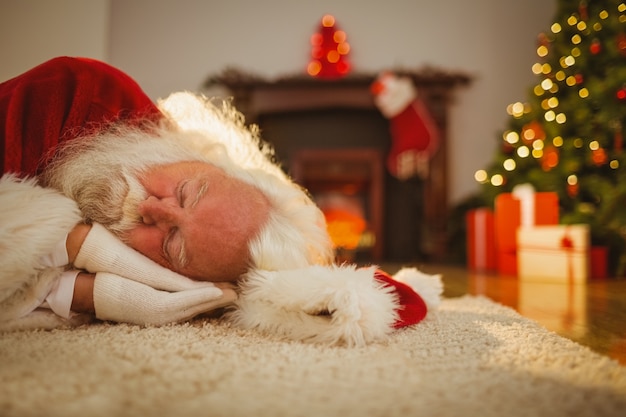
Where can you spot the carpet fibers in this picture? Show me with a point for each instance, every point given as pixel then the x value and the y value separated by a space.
pixel 472 357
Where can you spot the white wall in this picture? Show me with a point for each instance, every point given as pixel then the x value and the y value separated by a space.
pixel 170 45
pixel 33 31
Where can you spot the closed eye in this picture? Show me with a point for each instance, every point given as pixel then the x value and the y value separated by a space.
pixel 202 188
pixel 174 249
pixel 167 252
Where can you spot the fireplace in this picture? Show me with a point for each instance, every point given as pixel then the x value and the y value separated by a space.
pixel 348 186
pixel 331 138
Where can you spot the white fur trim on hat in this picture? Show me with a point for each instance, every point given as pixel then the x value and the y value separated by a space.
pixel 397 94
pixel 329 305
pixel 429 287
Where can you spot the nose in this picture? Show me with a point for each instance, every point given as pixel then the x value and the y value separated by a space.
pixel 158 212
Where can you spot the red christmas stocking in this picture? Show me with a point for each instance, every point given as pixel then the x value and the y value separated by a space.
pixel 414 134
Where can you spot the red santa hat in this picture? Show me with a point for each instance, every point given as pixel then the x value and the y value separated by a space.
pixel 59 100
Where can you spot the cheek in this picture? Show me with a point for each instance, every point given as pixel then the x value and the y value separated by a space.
pixel 160 180
pixel 148 241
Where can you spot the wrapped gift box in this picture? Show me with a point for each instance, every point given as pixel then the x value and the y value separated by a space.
pixel 514 211
pixel 558 254
pixel 481 249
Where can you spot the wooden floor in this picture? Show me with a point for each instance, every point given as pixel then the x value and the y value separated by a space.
pixel 592 314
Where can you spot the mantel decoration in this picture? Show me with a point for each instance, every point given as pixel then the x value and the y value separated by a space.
pixel 234 78
pixel 329 51
pixel 414 133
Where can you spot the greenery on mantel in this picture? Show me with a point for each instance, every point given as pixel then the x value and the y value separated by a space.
pixel 232 76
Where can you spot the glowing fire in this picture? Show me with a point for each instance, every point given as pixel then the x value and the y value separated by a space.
pixel 345 228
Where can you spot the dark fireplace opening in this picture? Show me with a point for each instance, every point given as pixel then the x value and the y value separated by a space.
pixel 324 129
pixel 343 134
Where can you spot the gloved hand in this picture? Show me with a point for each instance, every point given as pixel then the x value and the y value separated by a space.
pixel 123 300
pixel 102 251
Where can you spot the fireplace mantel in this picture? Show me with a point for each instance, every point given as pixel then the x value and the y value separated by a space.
pixel 257 97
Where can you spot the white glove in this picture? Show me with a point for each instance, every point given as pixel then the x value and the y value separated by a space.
pixel 120 299
pixel 102 251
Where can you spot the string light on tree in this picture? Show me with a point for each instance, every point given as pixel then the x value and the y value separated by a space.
pixel 550 158
pixel 572 185
pixel 595 47
pixel 329 51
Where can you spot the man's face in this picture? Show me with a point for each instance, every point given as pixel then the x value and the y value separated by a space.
pixel 197 221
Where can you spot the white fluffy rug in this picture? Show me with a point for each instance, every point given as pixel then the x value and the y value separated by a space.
pixel 471 358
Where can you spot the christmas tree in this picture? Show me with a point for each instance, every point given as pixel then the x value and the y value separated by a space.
pixel 329 51
pixel 568 135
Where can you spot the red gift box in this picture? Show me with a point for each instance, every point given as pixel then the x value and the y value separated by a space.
pixel 481 248
pixel 513 211
pixel 599 260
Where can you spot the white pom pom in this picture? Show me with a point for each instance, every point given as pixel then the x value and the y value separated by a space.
pixel 396 96
pixel 429 287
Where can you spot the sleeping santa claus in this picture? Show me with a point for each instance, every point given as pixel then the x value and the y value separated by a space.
pixel 117 208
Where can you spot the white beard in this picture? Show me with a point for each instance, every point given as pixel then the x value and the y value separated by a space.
pixel 128 214
pixel 101 173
